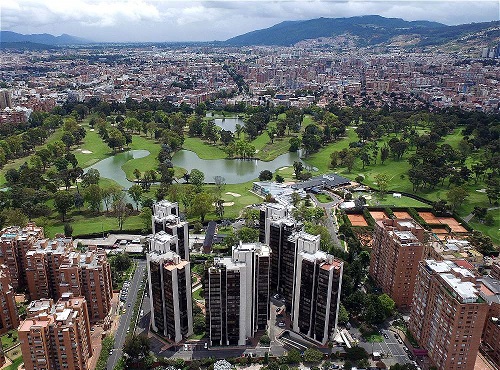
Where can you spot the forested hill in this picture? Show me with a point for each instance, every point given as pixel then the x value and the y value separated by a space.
pixel 366 30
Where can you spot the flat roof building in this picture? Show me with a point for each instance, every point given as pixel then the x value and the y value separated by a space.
pixel 397 249
pixel 56 336
pixel 170 296
pixel 448 314
pixel 166 220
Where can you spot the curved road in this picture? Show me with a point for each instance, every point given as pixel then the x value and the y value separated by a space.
pixel 329 209
pixel 121 331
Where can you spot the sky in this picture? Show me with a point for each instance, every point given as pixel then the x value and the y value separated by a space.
pixel 191 20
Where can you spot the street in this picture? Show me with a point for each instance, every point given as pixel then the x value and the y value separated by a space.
pixel 121 331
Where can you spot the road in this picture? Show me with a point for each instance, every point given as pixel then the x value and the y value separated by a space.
pixel 393 351
pixel 329 209
pixel 121 331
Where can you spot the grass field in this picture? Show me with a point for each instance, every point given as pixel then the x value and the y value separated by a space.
pixel 87 223
pixel 144 164
pixel 203 149
pixel 15 364
pixel 93 143
pixel 9 339
pixel 323 198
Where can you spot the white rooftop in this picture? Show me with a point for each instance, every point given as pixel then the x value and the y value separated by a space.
pixel 440 266
pixel 464 289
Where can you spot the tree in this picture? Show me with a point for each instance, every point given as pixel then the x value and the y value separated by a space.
pixel 63 202
pixel 14 217
pixel 298 167
pixel 384 154
pixel 279 179
pixel 121 212
pixel 265 175
pixel 272 132
pixel 197 178
pixel 382 180
pixel 313 355
pixel 93 196
pixel 120 262
pixel 356 353
pixel 293 357
pixel 199 324
pixel 343 315
pixel 220 184
pixel 145 217
pixel 265 340
pixel 248 234
pixel 135 192
pixel 91 177
pixel 457 196
pixel 136 346
pixel 201 205
pixel 387 304
pixel 68 230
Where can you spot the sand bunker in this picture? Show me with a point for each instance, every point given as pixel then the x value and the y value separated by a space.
pixel 86 151
pixel 283 168
pixel 236 195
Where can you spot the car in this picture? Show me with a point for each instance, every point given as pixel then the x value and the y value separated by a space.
pixel 110 352
pixel 281 324
pixel 385 335
pixel 206 345
pixel 278 309
pixel 142 312
pixel 276 296
pixel 92 328
pixel 136 241
pixel 129 305
pixel 400 341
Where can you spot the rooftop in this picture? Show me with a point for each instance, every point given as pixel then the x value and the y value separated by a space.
pixel 465 291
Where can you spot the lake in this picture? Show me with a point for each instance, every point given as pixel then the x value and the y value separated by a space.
pixel 235 171
pixel 229 124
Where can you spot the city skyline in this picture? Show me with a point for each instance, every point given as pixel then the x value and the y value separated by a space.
pixel 158 20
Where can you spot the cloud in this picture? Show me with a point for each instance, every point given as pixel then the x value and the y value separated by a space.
pixel 202 20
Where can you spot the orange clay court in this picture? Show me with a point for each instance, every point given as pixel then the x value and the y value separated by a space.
pixel 378 215
pixel 429 217
pixel 357 220
pixel 450 221
pixel 401 214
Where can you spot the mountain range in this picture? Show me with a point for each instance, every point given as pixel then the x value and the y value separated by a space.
pixel 368 30
pixel 361 31
pixel 41 38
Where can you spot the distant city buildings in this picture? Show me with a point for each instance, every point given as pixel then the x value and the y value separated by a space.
pixel 448 314
pixel 398 246
pixel 56 336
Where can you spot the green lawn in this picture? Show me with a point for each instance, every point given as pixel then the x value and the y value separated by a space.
pixel 86 223
pixel 197 295
pixel 15 364
pixel 272 150
pixel 94 144
pixel 260 141
pixel 144 164
pixel 323 198
pixel 8 339
pixel 492 231
pixel 202 149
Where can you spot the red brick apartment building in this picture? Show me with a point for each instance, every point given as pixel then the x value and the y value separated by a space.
pixel 397 249
pixel 448 314
pixel 56 336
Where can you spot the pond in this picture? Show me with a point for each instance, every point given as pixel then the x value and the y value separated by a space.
pixel 229 123
pixel 235 171
pixel 111 167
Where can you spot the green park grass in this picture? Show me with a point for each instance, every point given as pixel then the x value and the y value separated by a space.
pixel 150 162
pixel 323 198
pixel 202 149
pixel 197 295
pixel 492 231
pixel 93 143
pixel 9 339
pixel 15 364
pixel 260 141
pixel 87 223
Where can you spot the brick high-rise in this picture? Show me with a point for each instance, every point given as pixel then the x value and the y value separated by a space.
pixel 397 249
pixel 14 244
pixel 490 291
pixel 447 314
pixel 56 336
pixel 8 310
